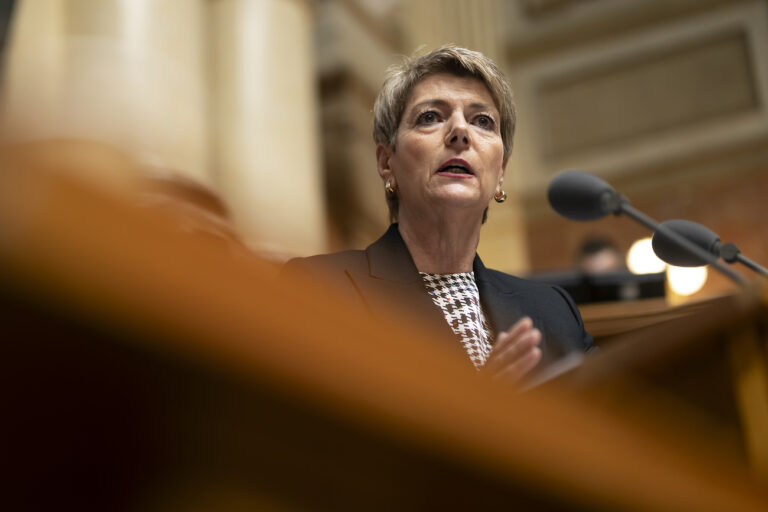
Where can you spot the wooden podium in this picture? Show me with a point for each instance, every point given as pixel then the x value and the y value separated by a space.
pixel 146 368
pixel 710 356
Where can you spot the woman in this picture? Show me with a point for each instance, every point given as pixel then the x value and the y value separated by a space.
pixel 443 124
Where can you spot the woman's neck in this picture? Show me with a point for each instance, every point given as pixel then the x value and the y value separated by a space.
pixel 441 244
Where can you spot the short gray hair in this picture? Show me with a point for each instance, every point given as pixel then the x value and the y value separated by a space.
pixel 402 78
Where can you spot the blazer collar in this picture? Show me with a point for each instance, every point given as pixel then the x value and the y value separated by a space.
pixel 500 302
pixel 389 259
pixel 394 280
pixel 392 273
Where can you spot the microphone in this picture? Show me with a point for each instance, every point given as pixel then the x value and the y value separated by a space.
pixel 702 237
pixel 578 195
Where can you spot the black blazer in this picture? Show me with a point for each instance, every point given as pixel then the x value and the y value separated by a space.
pixel 384 276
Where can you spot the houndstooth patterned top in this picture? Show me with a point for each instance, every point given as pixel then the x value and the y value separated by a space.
pixel 457 296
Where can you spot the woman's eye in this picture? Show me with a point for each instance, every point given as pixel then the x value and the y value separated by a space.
pixel 484 121
pixel 427 117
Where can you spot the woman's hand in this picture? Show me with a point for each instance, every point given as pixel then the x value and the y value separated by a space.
pixel 515 352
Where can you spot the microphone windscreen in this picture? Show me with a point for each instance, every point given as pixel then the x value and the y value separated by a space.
pixel 578 195
pixel 669 251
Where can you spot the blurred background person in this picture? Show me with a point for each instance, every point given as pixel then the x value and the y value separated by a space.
pixel 599 254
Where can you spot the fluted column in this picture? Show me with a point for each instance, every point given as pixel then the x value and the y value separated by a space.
pixel 126 73
pixel 266 155
pixel 220 91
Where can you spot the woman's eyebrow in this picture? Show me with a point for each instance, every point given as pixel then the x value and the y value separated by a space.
pixel 434 102
pixel 444 103
pixel 482 106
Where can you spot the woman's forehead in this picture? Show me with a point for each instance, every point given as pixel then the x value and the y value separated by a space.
pixel 449 87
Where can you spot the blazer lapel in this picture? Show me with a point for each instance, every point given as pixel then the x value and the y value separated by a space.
pixel 505 306
pixel 502 306
pixel 392 281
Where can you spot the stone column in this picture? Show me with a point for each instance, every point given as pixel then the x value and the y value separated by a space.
pixel 264 130
pixel 126 73
pixel 220 91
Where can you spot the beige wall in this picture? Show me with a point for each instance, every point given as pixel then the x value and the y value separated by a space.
pixel 354 48
pixel 665 100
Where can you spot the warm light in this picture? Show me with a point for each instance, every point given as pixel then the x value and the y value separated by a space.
pixel 686 280
pixel 642 260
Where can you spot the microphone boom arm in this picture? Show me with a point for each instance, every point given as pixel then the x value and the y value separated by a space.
pixel 730 253
pixel 625 208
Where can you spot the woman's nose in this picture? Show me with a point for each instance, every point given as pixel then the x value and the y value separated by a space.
pixel 458 131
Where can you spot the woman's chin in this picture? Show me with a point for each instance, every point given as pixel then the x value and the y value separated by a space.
pixel 460 199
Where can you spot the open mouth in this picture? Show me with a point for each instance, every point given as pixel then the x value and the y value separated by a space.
pixel 456 167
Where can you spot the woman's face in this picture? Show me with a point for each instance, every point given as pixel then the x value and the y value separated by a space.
pixel 449 151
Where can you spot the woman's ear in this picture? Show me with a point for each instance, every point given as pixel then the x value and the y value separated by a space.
pixel 382 161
